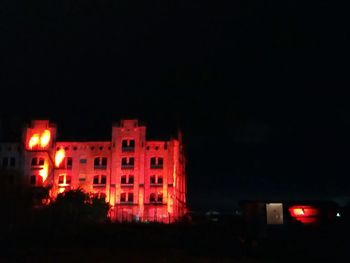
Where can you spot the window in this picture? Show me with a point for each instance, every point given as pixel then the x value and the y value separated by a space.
pixel 123 197
pixel 33 179
pixel 156 162
pixel 12 162
pixel 36 180
pixel 156 198
pixel 82 177
pixel 5 162
pixel 127 179
pixel 68 179
pixel 37 161
pixel 96 179
pixel 34 161
pixel 61 179
pixel 160 180
pixel 64 179
pixel 130 197
pixel 123 179
pixel 83 161
pixel 100 163
pixel 128 145
pixel 128 162
pixel 152 198
pixel 99 196
pixel 67 163
pixel 156 180
pixel 100 179
pixel 103 179
pixel 160 198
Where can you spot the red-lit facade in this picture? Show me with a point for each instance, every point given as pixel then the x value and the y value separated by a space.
pixel 142 180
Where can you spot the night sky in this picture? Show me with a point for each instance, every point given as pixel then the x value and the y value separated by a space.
pixel 257 87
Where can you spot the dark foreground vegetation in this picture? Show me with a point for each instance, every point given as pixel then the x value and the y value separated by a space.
pixel 234 241
pixel 75 228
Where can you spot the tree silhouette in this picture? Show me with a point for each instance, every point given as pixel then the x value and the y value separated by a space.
pixel 76 206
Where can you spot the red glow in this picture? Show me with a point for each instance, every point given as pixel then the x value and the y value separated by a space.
pixel 303 211
pixel 51 159
pixel 45 138
pixel 297 212
pixel 38 139
pixel 304 214
pixel 44 171
pixel 59 157
pixel 34 141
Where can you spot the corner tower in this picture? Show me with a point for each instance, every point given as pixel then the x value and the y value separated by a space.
pixel 39 149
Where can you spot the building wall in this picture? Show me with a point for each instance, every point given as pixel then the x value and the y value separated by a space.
pixel 152 187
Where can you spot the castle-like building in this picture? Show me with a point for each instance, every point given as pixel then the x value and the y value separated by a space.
pixel 142 180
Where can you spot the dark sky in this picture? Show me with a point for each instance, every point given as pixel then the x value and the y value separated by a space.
pixel 258 87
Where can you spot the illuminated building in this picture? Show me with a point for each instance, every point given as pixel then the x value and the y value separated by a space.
pixel 142 180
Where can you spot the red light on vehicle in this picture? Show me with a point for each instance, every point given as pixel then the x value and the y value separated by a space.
pixel 297 212
pixel 304 214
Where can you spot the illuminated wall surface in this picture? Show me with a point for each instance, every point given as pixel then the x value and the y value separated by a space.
pixel 142 180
